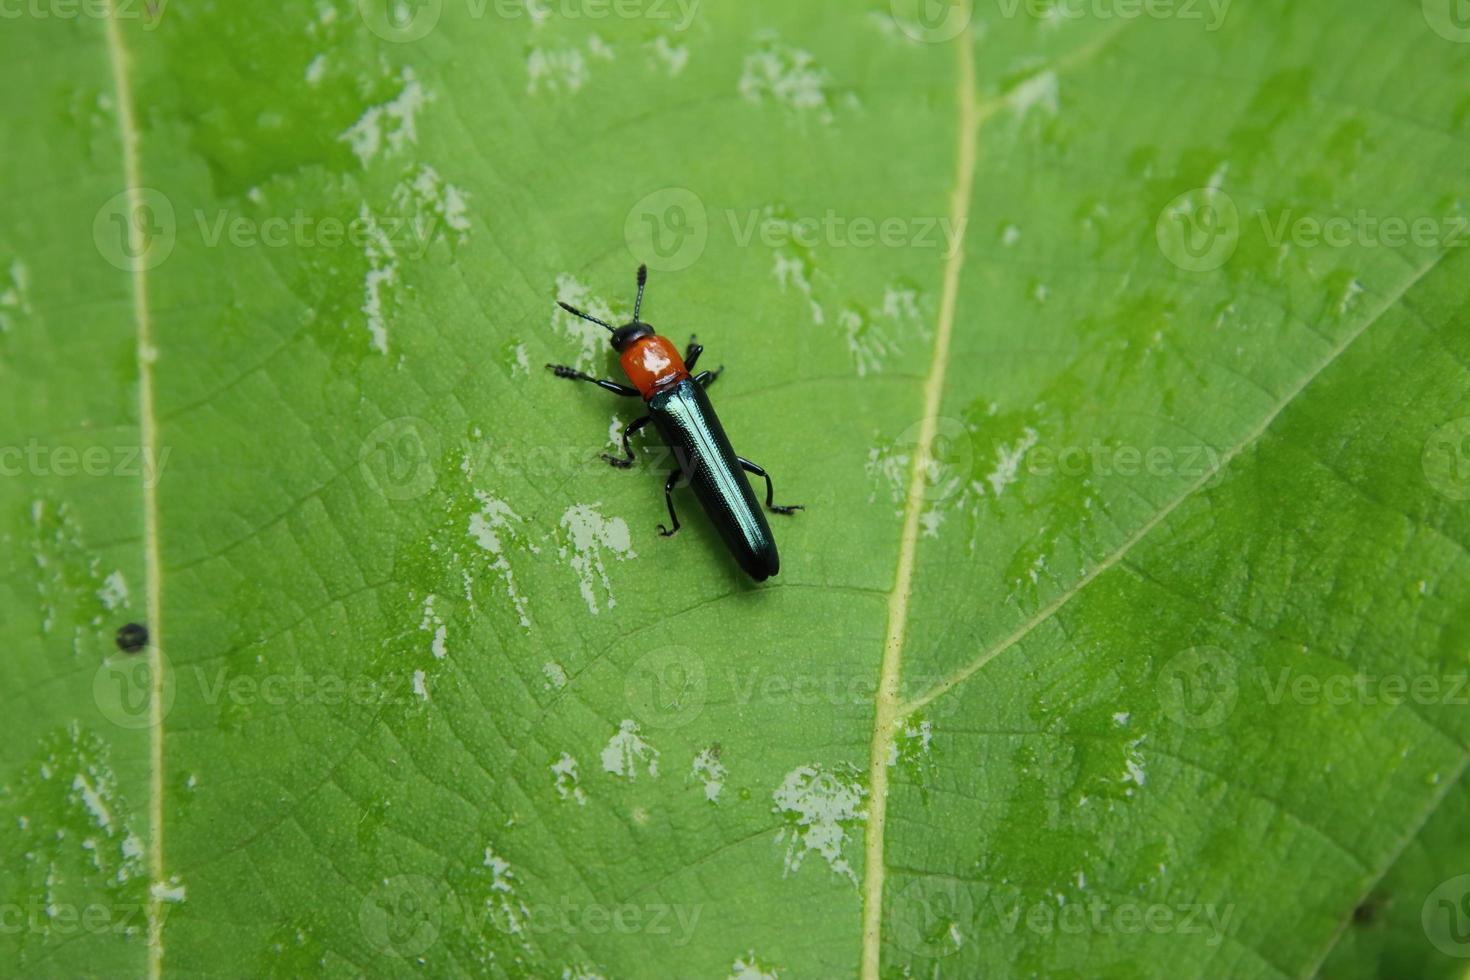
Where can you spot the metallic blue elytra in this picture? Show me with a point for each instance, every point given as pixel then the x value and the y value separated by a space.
pixel 685 418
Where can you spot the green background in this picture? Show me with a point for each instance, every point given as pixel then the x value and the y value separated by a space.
pixel 1197 498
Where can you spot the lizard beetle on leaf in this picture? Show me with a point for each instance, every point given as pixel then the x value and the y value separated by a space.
pixel 679 408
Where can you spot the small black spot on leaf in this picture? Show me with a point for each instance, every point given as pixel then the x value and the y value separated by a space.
pixel 1367 913
pixel 132 637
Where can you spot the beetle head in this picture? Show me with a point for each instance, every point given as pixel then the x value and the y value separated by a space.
pixel 629 333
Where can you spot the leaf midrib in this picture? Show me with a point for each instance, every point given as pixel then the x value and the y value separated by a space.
pixel 148 437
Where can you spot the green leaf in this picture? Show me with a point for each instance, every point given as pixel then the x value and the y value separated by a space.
pixel 1117 352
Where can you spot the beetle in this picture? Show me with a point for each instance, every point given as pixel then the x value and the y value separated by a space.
pixel 681 412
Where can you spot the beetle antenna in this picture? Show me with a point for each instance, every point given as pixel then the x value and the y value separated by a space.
pixel 642 281
pixel 586 316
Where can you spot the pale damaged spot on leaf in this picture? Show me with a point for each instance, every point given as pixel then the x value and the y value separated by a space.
pixel 787 76
pixel 114 592
pixel 494 528
pixel 587 536
pixel 15 298
pixel 1037 92
pixel 750 967
pixel 673 59
pixel 381 278
pixel 708 769
pixel 172 890
pixel 508 913
pixel 566 780
pixel 875 333
pixel 820 808
pixel 429 201
pixel 627 750
pixel 564 71
pixel 591 338
pixel 393 124
pixel 1008 459
pixel 432 623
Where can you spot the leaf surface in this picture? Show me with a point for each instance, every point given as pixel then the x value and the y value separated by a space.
pixel 1124 633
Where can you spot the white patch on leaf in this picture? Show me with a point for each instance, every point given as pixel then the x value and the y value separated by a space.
pixel 626 750
pixel 15 297
pixel 564 777
pixel 393 123
pixel 788 76
pixel 819 807
pixel 316 69
pixel 591 337
pixel 749 967
pixel 382 276
pixel 114 592
pixel 1008 461
pixel 1039 90
pixel 429 200
pixel 711 771
pixel 491 528
pixel 673 59
pixel 91 798
pixel 168 891
pixel 587 536
pixel 432 622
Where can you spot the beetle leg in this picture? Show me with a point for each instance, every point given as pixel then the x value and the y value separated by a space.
pixel 707 378
pixel 628 431
pixel 669 485
pixel 770 490
pixel 564 371
pixel 691 353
